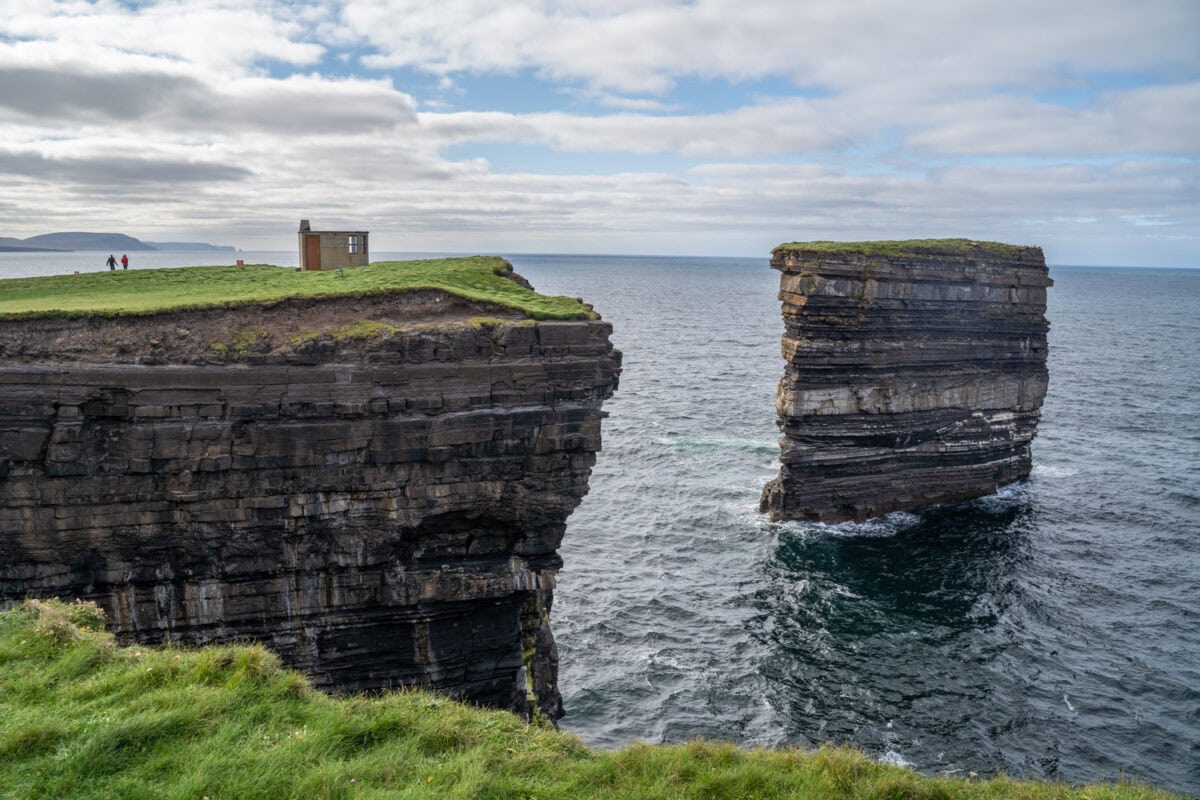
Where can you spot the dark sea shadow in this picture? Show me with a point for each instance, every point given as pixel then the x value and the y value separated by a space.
pixel 889 633
pixel 932 567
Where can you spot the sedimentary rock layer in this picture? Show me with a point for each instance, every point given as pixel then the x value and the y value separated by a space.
pixel 915 374
pixel 380 511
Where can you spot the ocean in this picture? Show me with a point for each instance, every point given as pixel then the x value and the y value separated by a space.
pixel 1050 631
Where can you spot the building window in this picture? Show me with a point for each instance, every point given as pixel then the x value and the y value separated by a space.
pixel 354 245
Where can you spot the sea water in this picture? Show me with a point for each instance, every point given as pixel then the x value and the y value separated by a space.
pixel 1050 631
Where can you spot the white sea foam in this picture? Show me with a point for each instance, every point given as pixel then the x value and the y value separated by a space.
pixel 885 526
pixel 1052 471
pixel 892 758
pixel 1005 499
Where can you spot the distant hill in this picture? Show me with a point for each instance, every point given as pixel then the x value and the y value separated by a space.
pixel 11 245
pixel 78 240
pixel 191 246
pixel 112 242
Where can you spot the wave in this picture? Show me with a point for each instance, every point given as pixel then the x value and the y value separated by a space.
pixel 1053 471
pixel 890 525
pixel 672 439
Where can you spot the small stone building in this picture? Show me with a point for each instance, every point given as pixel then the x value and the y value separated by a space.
pixel 332 249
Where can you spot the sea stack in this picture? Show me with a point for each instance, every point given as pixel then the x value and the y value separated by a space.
pixel 915 373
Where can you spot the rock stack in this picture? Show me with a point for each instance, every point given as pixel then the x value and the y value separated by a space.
pixel 915 374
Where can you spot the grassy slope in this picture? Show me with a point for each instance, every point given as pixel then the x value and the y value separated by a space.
pixel 911 247
pixel 153 290
pixel 82 718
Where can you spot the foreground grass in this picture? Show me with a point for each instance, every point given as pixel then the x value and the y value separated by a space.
pixel 910 247
pixel 153 290
pixel 82 718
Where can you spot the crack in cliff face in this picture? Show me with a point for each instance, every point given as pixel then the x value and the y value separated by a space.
pixel 381 511
pixel 914 375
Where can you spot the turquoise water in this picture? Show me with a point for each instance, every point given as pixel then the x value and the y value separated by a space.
pixel 1050 631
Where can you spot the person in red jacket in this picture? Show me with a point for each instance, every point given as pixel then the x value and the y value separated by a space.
pixel 124 261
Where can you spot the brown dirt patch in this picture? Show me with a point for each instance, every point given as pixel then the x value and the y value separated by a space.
pixel 225 334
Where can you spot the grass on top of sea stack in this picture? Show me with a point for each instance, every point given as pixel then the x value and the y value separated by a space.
pixel 83 718
pixel 911 247
pixel 149 291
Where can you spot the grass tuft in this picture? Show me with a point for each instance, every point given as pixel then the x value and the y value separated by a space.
pixel 83 718
pixel 911 247
pixel 362 329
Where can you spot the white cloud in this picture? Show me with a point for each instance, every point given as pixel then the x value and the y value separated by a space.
pixel 623 102
pixel 644 47
pixel 223 37
pixel 792 126
pixel 43 85
pixel 1154 119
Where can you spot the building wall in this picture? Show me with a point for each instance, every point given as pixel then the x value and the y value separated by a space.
pixel 335 249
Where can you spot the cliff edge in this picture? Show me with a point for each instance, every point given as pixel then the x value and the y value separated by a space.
pixel 374 486
pixel 915 373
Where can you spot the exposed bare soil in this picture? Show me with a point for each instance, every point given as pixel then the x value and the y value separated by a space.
pixel 227 334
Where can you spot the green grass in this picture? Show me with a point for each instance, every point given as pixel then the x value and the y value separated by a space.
pixel 82 718
pixel 910 247
pixel 156 290
pixel 360 329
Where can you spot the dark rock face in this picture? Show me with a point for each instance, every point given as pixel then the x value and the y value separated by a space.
pixel 913 378
pixel 379 513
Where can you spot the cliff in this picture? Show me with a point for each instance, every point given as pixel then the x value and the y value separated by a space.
pixel 915 373
pixel 373 487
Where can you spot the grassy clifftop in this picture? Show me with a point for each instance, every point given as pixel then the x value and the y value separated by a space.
pixel 83 718
pixel 479 278
pixel 911 247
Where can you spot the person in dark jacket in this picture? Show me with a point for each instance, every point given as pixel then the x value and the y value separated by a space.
pixel 112 263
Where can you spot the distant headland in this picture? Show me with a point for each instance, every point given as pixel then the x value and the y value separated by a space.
pixel 79 240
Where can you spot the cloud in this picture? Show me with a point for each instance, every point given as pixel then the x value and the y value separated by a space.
pixel 118 172
pixel 1157 119
pixel 1154 119
pixel 46 87
pixel 645 47
pixel 611 100
pixel 224 37
pixel 792 126
pixel 54 93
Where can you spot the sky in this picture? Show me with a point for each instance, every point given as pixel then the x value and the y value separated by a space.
pixel 688 127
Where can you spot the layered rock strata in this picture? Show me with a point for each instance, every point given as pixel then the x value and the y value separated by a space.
pixel 381 510
pixel 915 373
